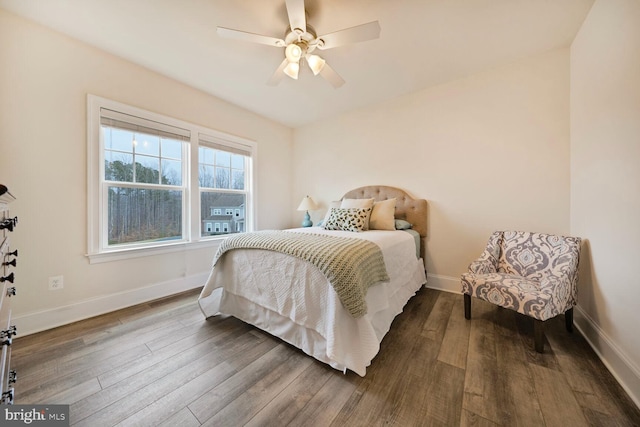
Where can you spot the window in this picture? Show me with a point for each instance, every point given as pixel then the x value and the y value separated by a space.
pixel 223 181
pixel 143 179
pixel 142 193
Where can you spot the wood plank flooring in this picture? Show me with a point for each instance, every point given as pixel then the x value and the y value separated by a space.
pixel 163 364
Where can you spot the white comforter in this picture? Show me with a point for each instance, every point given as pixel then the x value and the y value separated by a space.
pixel 290 298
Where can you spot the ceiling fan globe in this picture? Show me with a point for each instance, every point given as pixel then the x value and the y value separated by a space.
pixel 293 52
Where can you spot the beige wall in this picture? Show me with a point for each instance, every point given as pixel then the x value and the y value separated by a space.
pixel 44 81
pixel 488 152
pixel 605 181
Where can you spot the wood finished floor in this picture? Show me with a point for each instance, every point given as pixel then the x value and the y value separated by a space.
pixel 163 364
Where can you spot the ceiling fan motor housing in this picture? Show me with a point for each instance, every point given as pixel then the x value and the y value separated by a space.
pixel 306 40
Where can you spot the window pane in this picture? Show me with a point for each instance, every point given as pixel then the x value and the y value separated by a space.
pixel 223 158
pixel 206 155
pixel 223 179
pixel 118 139
pixel 206 176
pixel 171 172
pixel 171 148
pixel 238 180
pixel 220 209
pixel 118 166
pixel 147 169
pixel 147 144
pixel 237 161
pixel 140 215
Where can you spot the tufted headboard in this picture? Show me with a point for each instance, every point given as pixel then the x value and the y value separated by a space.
pixel 407 208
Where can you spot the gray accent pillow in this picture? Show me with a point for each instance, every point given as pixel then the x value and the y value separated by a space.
pixel 401 224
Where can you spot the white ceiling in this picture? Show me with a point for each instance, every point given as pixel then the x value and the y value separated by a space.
pixel 422 43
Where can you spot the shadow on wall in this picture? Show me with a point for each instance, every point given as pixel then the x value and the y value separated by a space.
pixel 588 288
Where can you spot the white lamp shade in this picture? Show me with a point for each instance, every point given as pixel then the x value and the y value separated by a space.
pixel 307 204
pixel 293 52
pixel 292 69
pixel 315 63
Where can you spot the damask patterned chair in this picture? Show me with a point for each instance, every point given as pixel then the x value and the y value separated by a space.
pixel 532 273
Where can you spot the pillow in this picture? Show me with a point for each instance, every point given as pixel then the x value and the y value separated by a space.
pixel 357 203
pixel 401 224
pixel 335 204
pixel 382 215
pixel 348 219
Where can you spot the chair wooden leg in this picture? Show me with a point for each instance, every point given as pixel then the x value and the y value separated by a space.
pixel 538 335
pixel 568 319
pixel 467 306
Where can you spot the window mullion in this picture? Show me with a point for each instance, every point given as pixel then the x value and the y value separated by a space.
pixel 194 189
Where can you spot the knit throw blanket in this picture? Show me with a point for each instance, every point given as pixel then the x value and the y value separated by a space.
pixel 351 265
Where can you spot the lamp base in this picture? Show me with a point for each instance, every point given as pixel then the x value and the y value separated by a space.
pixel 307 220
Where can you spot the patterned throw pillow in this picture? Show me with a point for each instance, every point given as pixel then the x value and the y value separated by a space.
pixel 348 219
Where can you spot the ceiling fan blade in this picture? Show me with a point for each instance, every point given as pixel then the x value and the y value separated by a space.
pixel 331 76
pixel 278 74
pixel 249 37
pixel 297 18
pixel 355 34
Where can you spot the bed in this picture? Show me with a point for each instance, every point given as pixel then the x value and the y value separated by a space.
pixel 291 297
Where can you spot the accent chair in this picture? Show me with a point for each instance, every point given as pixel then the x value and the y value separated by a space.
pixel 534 274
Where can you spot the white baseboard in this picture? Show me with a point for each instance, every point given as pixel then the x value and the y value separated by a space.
pixel 37 321
pixel 443 283
pixel 621 367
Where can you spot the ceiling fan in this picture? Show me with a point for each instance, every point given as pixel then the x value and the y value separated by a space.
pixel 301 40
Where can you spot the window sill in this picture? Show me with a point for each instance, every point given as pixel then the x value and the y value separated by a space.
pixel 121 254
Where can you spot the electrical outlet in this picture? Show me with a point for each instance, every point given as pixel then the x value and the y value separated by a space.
pixel 55 283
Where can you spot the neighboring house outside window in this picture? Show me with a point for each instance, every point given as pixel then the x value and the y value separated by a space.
pixel 140 194
pixel 232 219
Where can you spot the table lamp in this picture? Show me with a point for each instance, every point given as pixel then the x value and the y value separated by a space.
pixel 307 205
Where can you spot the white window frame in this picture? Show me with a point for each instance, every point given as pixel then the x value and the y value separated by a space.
pixel 97 250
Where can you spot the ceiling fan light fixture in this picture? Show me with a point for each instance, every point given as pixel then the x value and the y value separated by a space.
pixel 315 63
pixel 301 40
pixel 292 70
pixel 293 52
